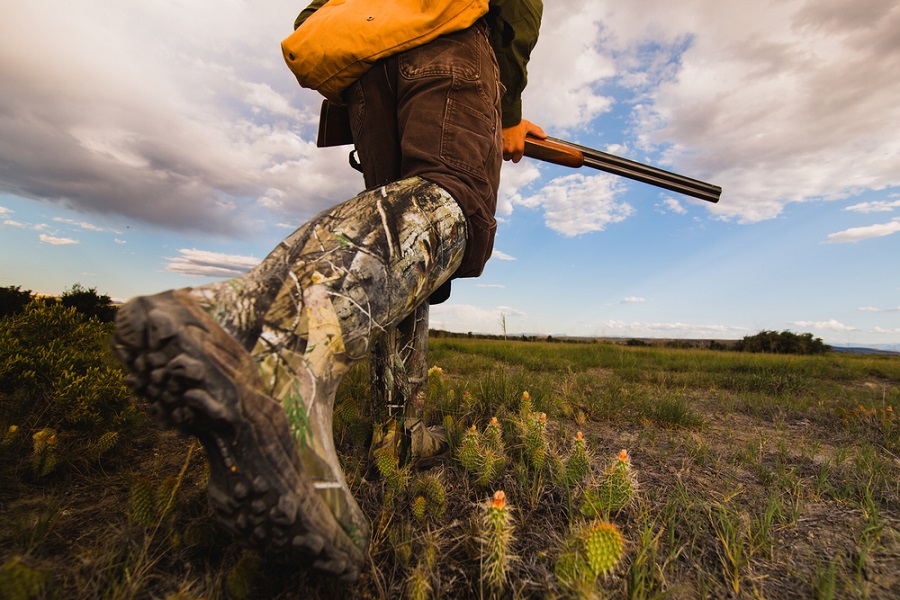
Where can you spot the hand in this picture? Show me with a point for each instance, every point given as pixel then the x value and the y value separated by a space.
pixel 514 139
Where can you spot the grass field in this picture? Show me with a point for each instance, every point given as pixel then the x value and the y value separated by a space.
pixel 744 475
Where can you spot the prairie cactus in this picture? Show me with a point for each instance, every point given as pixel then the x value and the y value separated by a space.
pixel 525 405
pixel 43 458
pixel 496 538
pixel 614 490
pixel 389 467
pixel 536 440
pixel 578 465
pixel 418 508
pixel 482 455
pixel 469 452
pixel 493 437
pixel 143 503
pixel 433 498
pixel 603 546
pixel 419 582
pixel 10 435
pixel 492 463
pixel 591 551
pixel 103 444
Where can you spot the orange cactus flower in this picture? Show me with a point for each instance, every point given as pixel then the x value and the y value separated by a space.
pixel 499 500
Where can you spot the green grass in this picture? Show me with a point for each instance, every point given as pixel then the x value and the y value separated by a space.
pixel 750 476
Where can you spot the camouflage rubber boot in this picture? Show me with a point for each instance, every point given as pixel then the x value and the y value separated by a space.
pixel 250 366
pixel 399 372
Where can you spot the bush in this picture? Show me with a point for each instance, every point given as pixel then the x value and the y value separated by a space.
pixel 785 342
pixel 58 374
pixel 13 300
pixel 89 303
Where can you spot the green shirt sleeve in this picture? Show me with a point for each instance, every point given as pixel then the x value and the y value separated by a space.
pixel 525 18
pixel 304 14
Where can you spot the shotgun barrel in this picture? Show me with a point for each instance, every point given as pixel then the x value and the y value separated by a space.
pixel 567 154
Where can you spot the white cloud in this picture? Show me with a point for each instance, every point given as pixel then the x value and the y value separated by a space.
pixel 501 255
pixel 778 102
pixel 673 205
pixel 490 286
pixel 857 234
pixel 5 211
pixel 204 263
pixel 873 207
pixel 206 129
pixel 633 300
pixel 187 133
pixel 615 328
pixel 57 241
pixel 886 330
pixel 568 67
pixel 513 178
pixel 12 223
pixel 577 204
pixel 830 325
pixel 879 310
pixel 466 317
pixel 80 224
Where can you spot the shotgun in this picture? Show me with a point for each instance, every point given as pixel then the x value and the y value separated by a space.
pixel 567 154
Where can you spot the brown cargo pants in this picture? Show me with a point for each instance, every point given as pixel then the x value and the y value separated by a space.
pixel 434 112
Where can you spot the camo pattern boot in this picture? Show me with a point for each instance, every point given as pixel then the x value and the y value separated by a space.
pixel 399 372
pixel 251 365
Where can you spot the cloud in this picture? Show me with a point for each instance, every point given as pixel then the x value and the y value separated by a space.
pixel 490 285
pixel 778 103
pixel 879 310
pixel 886 330
pixel 5 211
pixel 577 204
pixel 11 223
pixel 569 66
pixel 188 134
pixel 673 205
pixel 203 263
pixel 513 178
pixel 857 234
pixel 81 224
pixel 206 130
pixel 873 207
pixel 57 241
pixel 466 317
pixel 501 255
pixel 615 328
pixel 633 300
pixel 830 325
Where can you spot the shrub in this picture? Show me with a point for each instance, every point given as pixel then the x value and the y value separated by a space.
pixel 13 300
pixel 785 342
pixel 89 303
pixel 57 373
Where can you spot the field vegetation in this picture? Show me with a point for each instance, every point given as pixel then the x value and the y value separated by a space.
pixel 578 470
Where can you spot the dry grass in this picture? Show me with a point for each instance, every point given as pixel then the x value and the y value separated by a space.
pixel 756 476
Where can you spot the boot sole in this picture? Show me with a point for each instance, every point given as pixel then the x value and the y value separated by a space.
pixel 200 381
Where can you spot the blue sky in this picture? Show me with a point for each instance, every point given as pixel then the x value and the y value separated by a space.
pixel 148 147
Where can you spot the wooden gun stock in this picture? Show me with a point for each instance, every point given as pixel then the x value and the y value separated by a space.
pixel 567 154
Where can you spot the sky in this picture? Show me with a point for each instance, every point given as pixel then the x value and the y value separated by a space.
pixel 157 145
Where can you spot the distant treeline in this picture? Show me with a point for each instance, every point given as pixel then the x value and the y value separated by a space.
pixel 772 342
pixel 88 302
pixel 13 300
